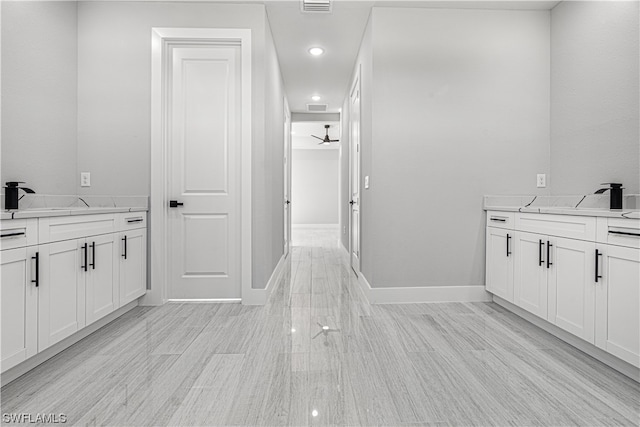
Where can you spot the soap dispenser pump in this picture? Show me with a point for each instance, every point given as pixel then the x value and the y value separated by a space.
pixel 11 194
pixel 615 201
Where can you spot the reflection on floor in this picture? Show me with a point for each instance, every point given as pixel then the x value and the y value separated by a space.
pixel 413 364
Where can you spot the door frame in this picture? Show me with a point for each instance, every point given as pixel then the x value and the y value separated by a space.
pixel 356 85
pixel 161 39
pixel 287 175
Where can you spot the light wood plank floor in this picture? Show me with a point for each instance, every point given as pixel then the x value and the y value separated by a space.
pixel 414 364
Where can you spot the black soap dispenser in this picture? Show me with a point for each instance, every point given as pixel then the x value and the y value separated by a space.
pixel 11 194
pixel 615 199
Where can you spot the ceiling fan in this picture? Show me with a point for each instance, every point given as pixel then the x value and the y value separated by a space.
pixel 326 140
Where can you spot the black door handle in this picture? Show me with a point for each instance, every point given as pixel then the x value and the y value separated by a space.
pixel 175 203
pixel 124 239
pixel 549 263
pixel 540 252
pixel 37 279
pixel 508 238
pixel 598 254
pixel 288 201
pixel 352 202
pixel 93 255
pixel 85 249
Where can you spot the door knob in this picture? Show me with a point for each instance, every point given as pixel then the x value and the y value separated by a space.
pixel 288 201
pixel 175 203
pixel 351 202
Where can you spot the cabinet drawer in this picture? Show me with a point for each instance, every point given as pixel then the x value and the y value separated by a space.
pixel 573 227
pixel 131 220
pixel 18 233
pixel 500 219
pixel 619 232
pixel 55 229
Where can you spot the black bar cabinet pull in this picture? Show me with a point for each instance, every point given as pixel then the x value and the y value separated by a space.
pixel 85 248
pixel 124 239
pixel 624 233
pixel 93 255
pixel 508 238
pixel 20 233
pixel 598 254
pixel 498 219
pixel 130 221
pixel 37 279
pixel 549 263
pixel 540 252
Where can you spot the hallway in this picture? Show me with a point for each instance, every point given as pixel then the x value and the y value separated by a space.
pixel 418 364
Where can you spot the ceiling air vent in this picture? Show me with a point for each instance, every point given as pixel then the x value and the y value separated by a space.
pixel 316 6
pixel 317 108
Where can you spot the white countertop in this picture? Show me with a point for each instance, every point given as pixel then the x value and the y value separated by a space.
pixel 48 212
pixel 628 213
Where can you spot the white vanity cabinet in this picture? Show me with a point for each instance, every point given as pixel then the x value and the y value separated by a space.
pixel 579 273
pixel 19 294
pixel 133 256
pixel 500 260
pixel 63 273
pixel 79 275
pixel 617 313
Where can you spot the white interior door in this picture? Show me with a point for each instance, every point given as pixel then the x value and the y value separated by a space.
pixel 204 151
pixel 354 173
pixel 287 179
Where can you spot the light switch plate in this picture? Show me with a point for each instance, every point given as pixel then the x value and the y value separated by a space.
pixel 366 182
pixel 541 180
pixel 85 179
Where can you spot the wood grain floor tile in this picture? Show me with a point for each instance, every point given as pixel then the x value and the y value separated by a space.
pixel 450 364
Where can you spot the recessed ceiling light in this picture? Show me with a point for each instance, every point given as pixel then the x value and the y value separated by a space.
pixel 314 413
pixel 315 51
pixel 315 98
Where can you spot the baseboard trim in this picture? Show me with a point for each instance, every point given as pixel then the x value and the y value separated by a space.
pixel 39 358
pixel 261 296
pixel 597 353
pixel 424 294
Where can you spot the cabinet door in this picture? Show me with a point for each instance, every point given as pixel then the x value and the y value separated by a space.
pixel 61 301
pixel 618 302
pixel 499 279
pixel 530 281
pixel 19 306
pixel 102 277
pixel 572 286
pixel 133 267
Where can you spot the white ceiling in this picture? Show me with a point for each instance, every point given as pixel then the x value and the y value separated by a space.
pixel 301 138
pixel 339 33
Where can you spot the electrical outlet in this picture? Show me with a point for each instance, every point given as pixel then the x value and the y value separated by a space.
pixel 344 229
pixel 366 182
pixel 85 179
pixel 541 180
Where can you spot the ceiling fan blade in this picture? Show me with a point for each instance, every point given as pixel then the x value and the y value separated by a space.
pixel 322 139
pixel 334 140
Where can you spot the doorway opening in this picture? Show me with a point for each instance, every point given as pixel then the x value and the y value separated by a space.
pixel 315 173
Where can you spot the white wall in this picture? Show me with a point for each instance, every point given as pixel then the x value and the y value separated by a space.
pixel 39 97
pixel 460 109
pixel 594 96
pixel 314 187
